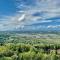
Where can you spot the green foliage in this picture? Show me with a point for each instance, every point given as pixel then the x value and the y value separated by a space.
pixel 8 53
pixel 27 56
pixel 14 57
pixel 6 58
pixel 46 57
pixel 23 48
pixel 28 52
pixel 53 57
pixel 16 47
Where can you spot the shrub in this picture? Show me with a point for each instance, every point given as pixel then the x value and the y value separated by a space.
pixel 10 46
pixel 27 56
pixel 8 53
pixel 14 57
pixel 2 49
pixel 46 57
pixel 39 56
pixel 6 58
pixel 53 57
pixel 58 57
pixel 23 48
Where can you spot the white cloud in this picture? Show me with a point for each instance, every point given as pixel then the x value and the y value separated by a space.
pixel 51 26
pixel 25 15
pixel 21 18
pixel 48 7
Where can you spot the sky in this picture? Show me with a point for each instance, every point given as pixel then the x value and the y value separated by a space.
pixel 29 15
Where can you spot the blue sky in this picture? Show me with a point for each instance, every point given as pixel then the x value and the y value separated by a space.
pixel 7 7
pixel 29 15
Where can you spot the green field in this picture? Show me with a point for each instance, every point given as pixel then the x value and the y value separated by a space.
pixel 16 46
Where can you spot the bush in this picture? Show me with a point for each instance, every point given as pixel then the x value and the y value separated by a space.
pixel 23 48
pixel 27 56
pixel 46 57
pixel 39 56
pixel 8 53
pixel 14 57
pixel 3 49
pixel 11 46
pixel 6 58
pixel 53 57
pixel 58 57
